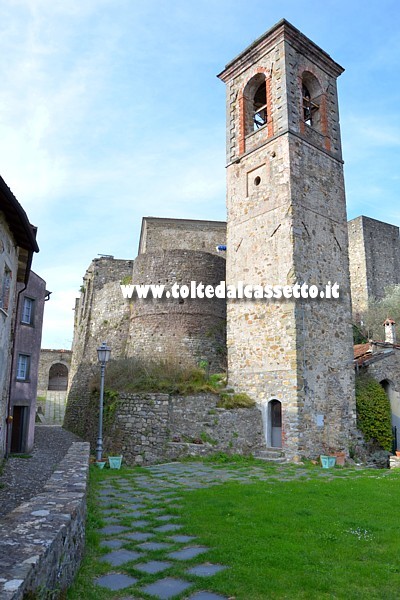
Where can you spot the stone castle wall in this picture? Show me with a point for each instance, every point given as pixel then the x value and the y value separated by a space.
pixel 101 314
pixel 183 234
pixel 374 252
pixel 184 330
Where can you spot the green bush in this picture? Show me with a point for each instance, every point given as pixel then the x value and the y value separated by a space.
pixel 373 411
pixel 235 401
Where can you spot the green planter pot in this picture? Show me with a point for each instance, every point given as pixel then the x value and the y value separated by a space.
pixel 115 462
pixel 101 464
pixel 327 462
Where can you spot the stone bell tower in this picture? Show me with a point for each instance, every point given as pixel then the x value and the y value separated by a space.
pixel 287 224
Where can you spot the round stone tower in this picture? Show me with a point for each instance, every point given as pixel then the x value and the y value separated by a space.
pixel 185 330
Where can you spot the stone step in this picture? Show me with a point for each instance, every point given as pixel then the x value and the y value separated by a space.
pixel 271 455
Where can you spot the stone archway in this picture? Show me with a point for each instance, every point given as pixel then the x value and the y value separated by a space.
pixel 58 377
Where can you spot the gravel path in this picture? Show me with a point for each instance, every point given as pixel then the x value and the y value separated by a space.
pixel 23 478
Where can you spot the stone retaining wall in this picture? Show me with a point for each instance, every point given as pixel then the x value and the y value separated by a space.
pixel 153 427
pixel 42 541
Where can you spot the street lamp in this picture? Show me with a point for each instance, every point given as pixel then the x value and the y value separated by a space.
pixel 103 355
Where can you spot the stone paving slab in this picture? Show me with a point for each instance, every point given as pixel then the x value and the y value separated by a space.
pixel 207 596
pixel 112 543
pixel 140 524
pixel 169 527
pixel 115 581
pixel 119 557
pixel 152 546
pixel 188 553
pixel 182 538
pixel 167 588
pixel 136 514
pixel 138 536
pixel 153 566
pixel 111 529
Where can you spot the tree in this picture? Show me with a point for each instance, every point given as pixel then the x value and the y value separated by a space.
pixel 371 323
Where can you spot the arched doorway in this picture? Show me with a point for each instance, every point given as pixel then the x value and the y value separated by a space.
pixel 275 423
pixel 58 377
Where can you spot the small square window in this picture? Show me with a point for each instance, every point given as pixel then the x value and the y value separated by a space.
pixel 23 367
pixel 27 311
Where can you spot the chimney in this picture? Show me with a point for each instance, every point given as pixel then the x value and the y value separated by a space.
pixel 390 331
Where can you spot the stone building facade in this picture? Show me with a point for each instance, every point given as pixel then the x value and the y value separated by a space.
pixel 17 245
pixel 26 354
pixel 287 224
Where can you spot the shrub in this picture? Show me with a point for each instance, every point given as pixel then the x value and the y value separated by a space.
pixel 235 401
pixel 373 411
pixel 133 375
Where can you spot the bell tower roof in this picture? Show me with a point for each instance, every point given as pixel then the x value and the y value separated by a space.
pixel 281 30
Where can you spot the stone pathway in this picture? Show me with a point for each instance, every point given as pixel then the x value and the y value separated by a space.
pixel 142 529
pixel 151 544
pixel 56 402
pixel 23 478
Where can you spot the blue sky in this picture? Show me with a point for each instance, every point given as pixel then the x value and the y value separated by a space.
pixel 110 110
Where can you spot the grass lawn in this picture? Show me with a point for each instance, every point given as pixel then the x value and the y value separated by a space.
pixel 305 538
pixel 302 539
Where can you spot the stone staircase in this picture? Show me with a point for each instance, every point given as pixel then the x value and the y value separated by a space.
pixel 274 455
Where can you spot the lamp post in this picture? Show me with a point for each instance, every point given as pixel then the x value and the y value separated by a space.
pixel 103 355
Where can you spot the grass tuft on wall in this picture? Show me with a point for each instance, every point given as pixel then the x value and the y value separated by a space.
pixel 131 375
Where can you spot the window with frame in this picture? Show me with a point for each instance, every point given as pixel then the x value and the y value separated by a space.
pixel 27 311
pixel 255 104
pixel 23 367
pixel 260 107
pixel 311 98
pixel 5 289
